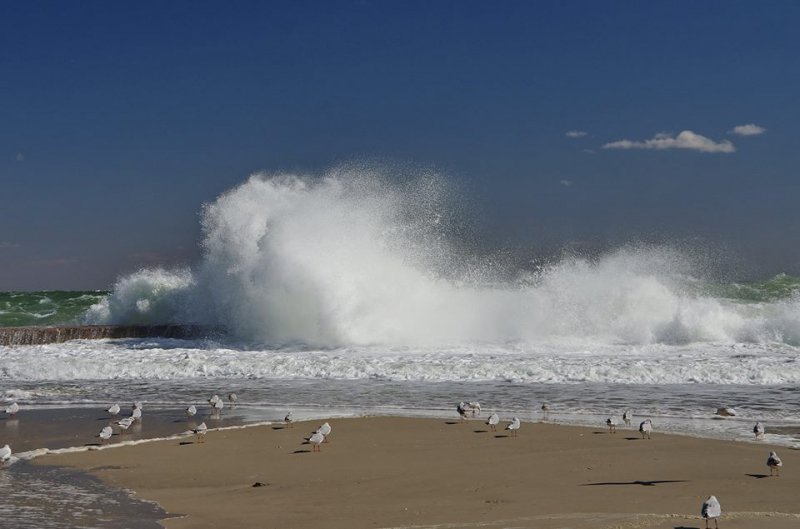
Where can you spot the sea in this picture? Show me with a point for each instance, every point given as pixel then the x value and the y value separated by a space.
pixel 356 293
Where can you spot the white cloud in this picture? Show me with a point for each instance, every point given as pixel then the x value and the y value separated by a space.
pixel 565 183
pixel 685 140
pixel 20 157
pixel 751 129
pixel 576 134
pixel 5 245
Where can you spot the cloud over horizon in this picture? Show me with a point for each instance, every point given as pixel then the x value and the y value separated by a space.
pixel 685 140
pixel 751 129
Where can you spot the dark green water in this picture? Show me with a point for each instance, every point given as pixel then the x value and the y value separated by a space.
pixel 18 309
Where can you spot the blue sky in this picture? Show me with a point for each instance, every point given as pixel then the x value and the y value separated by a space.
pixel 118 120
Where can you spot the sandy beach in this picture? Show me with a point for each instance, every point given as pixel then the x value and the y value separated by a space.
pixel 400 472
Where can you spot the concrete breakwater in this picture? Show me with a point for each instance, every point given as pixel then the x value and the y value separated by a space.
pixel 58 334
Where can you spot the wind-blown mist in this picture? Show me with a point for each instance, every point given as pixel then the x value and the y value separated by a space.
pixel 355 258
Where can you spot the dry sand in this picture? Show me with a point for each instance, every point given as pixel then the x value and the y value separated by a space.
pixel 399 472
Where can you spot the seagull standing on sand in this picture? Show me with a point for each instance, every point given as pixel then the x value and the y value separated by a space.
pixel 232 398
pixel 105 434
pixel 13 409
pixel 774 463
pixel 288 420
pixel 758 430
pixel 726 412
pixel 611 422
pixel 493 421
pixel 316 439
pixel 191 411
pixel 5 454
pixel 711 509
pixel 461 408
pixel 545 410
pixel 325 431
pixel 114 410
pixel 646 428
pixel 627 416
pixel 200 432
pixel 514 426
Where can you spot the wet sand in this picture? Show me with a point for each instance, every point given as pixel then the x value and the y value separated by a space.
pixel 400 472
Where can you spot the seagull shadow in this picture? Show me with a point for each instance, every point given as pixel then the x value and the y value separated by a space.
pixel 599 433
pixel 642 483
pixel 686 527
pixel 279 427
pixel 302 451
pixel 633 438
pixel 500 436
pixel 481 431
pixel 183 443
pixel 452 422
pixel 757 476
pixel 92 444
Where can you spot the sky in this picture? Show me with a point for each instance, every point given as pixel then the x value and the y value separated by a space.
pixel 567 123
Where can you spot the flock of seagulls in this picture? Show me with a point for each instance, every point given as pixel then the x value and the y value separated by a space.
pixel 318 436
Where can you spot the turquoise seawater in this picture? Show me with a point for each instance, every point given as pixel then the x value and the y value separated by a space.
pixel 20 309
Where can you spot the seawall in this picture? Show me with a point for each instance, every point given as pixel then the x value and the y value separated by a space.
pixel 58 334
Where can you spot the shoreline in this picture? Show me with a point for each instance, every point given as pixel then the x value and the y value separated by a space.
pixel 412 472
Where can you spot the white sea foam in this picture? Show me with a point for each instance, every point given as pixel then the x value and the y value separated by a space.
pixel 351 260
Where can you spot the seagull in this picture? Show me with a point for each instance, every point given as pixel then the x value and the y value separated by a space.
pixel 136 414
pixel 545 410
pixel 13 409
pixel 494 419
pixel 232 398
pixel 645 428
pixel 114 410
pixel 462 410
pixel 711 509
pixel 213 400
pixel 316 439
pixel 218 405
pixel 288 419
pixel 105 434
pixel 324 430
pixel 137 405
pixel 726 412
pixel 514 426
pixel 612 424
pixel 475 407
pixel 200 432
pixel 5 454
pixel 125 423
pixel 627 416
pixel 774 463
pixel 758 430
pixel 191 411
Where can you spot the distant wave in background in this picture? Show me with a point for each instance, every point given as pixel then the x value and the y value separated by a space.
pixel 359 257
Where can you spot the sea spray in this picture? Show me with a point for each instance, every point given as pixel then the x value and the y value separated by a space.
pixel 358 258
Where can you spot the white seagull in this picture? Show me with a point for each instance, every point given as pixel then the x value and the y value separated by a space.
pixel 137 404
pixel 711 509
pixel 232 398
pixel 316 439
pixel 105 434
pixel 218 405
pixel 646 428
pixel 758 430
pixel 200 432
pixel 726 412
pixel 191 411
pixel 288 419
pixel 136 414
pixel 493 421
pixel 475 407
pixel 125 423
pixel 514 426
pixel 774 463
pixel 325 431
pixel 611 422
pixel 627 416
pixel 13 409
pixel 213 399
pixel 545 410
pixel 114 410
pixel 5 454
